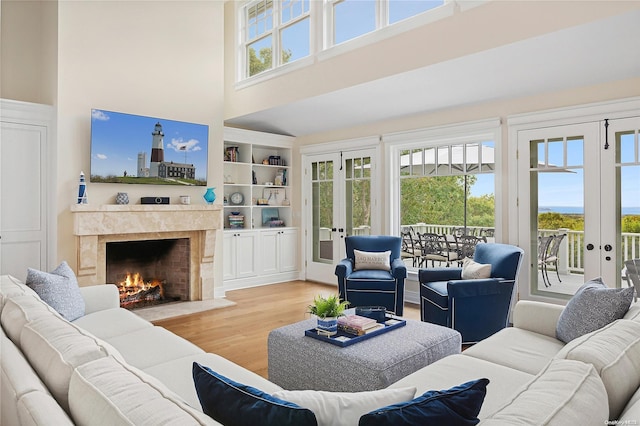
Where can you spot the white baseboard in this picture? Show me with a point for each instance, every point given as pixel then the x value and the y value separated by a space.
pixel 259 280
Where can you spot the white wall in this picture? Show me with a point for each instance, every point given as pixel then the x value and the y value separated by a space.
pixel 161 59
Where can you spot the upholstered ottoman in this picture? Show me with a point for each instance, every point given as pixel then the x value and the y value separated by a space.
pixel 297 361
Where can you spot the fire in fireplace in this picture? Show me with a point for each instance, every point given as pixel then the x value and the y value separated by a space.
pixel 135 291
pixel 149 272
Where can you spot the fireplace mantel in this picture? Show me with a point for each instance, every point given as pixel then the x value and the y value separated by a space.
pixel 95 226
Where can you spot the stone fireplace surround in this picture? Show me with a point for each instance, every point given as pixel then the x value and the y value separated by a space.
pixel 95 226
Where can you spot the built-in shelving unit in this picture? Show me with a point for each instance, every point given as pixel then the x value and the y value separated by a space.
pixel 258 166
pixel 261 247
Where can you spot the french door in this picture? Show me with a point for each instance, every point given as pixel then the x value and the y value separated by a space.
pixel 578 184
pixel 339 201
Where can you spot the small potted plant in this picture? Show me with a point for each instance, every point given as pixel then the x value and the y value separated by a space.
pixel 327 309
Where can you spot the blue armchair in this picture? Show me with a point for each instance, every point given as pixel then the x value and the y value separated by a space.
pixel 477 308
pixel 373 287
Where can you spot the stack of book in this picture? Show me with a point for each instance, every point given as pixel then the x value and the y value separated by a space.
pixel 358 325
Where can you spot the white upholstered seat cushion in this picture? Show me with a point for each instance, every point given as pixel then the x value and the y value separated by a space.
pixel 562 392
pixel 614 351
pixel 108 392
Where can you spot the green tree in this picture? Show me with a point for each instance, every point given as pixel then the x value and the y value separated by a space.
pixel 631 223
pixel 553 220
pixel 264 62
pixel 481 211
pixel 437 200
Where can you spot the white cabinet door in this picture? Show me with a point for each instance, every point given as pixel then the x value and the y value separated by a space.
pixel 25 189
pixel 269 254
pixel 239 260
pixel 246 248
pixel 288 250
pixel 229 256
pixel 279 250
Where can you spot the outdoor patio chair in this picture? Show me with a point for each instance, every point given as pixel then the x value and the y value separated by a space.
pixel 466 245
pixel 477 308
pixel 437 248
pixel 551 258
pixel 376 285
pixel 410 250
pixel 633 275
pixel 543 248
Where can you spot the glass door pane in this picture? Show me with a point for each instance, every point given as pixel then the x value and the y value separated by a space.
pixel 557 213
pixel 322 211
pixel 339 189
pixel 358 196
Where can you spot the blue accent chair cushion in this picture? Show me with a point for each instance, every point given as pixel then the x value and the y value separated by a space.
pixel 458 406
pixel 477 308
pixel 373 287
pixel 234 404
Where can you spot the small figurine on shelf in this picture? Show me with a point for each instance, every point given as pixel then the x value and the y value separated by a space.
pixel 82 190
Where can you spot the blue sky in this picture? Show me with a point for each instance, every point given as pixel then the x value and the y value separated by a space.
pixel 117 138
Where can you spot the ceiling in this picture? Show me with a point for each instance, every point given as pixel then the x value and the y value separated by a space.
pixel 598 52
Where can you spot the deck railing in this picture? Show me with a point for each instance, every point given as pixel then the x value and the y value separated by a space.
pixel 571 257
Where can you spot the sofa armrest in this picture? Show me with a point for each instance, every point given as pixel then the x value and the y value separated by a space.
pixel 539 317
pixel 100 297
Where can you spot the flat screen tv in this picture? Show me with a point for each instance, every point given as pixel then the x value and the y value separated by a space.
pixel 128 148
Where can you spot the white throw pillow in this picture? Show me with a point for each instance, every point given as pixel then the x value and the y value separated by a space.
pixel 372 260
pixel 472 270
pixel 344 408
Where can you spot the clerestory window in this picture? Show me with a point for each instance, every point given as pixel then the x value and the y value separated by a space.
pixel 275 33
pixel 279 32
pixel 348 19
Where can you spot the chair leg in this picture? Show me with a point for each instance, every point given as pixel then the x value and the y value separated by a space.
pixel 558 272
pixel 546 275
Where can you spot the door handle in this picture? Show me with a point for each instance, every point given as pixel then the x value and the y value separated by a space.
pixel 341 229
pixel 333 229
pixel 589 246
pixel 607 247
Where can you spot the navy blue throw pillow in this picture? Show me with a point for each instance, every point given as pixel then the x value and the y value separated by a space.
pixel 458 406
pixel 234 404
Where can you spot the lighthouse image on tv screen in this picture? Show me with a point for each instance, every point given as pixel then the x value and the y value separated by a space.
pixel 128 148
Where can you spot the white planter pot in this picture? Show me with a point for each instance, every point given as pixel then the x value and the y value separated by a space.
pixel 328 325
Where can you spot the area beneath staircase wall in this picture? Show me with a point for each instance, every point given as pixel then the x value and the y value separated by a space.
pixel 96 226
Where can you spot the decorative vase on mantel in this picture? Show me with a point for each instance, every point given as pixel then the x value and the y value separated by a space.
pixel 209 196
pixel 122 198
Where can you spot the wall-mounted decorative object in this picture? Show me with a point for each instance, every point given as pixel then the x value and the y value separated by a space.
pixel 82 190
pixel 209 196
pixel 122 198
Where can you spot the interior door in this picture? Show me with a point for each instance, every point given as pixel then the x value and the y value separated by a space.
pixel 578 182
pixel 339 190
pixel 23 210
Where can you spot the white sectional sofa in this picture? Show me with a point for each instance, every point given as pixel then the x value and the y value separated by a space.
pixel 110 367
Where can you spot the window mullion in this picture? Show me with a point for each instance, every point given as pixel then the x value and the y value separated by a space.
pixel 382 13
pixel 276 56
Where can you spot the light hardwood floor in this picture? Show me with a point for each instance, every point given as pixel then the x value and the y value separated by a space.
pixel 239 333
